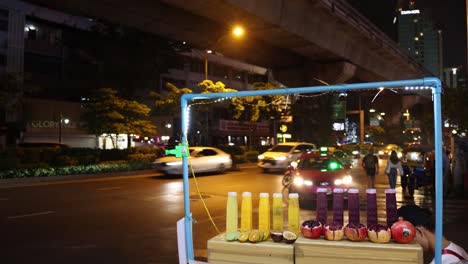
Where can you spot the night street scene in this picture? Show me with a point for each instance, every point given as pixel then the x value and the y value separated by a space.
pixel 220 131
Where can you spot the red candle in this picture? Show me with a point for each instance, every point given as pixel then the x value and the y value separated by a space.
pixel 338 199
pixel 353 206
pixel 371 207
pixel 322 205
pixel 390 202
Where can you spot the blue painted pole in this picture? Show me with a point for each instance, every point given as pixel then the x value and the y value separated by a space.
pixel 433 82
pixel 188 215
pixel 439 183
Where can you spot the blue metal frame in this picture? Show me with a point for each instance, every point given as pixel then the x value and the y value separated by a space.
pixel 432 82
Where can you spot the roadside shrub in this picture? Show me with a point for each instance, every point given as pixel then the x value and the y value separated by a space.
pixel 140 157
pixel 65 160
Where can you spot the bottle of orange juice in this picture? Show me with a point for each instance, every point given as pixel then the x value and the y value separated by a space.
pixel 264 214
pixel 231 213
pixel 246 212
pixel 278 224
pixel 293 214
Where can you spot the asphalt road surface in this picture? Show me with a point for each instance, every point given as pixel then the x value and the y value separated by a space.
pixel 127 219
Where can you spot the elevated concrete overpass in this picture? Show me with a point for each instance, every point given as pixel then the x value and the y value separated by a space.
pixel 300 40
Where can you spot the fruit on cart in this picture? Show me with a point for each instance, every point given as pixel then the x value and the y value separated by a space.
pixel 255 236
pixel 311 229
pixel 379 233
pixel 333 231
pixel 243 236
pixel 355 232
pixel 277 236
pixel 403 231
pixel 289 237
pixel 232 236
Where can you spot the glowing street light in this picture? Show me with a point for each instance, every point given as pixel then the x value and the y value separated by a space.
pixel 236 32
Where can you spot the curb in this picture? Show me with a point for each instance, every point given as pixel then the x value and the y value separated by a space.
pixel 66 178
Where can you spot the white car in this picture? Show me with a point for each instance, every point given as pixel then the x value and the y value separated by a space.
pixel 202 159
pixel 280 156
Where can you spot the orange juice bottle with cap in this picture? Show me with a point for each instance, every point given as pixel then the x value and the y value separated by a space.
pixel 293 214
pixel 264 214
pixel 277 209
pixel 231 213
pixel 246 212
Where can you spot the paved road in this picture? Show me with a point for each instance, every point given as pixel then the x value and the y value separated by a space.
pixel 129 219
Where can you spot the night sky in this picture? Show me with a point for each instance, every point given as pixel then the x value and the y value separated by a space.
pixel 449 16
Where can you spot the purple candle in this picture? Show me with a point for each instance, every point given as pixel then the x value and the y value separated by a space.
pixel 322 205
pixel 338 199
pixel 353 206
pixel 371 207
pixel 390 202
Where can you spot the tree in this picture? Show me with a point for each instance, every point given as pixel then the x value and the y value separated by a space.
pixel 106 113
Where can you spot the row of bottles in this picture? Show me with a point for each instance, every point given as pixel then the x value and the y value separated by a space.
pixel 277 225
pixel 264 213
pixel 354 206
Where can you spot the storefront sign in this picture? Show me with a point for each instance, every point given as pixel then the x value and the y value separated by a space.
pixel 237 126
pixel 50 124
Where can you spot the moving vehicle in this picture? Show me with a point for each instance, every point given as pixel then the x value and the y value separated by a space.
pixel 316 170
pixel 280 156
pixel 202 159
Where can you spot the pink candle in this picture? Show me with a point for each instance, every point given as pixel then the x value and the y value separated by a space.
pixel 353 206
pixel 390 202
pixel 322 205
pixel 371 207
pixel 338 199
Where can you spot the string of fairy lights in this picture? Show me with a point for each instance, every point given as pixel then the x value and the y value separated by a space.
pixel 280 99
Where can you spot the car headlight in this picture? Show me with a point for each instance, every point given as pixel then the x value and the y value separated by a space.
pixel 260 157
pixel 381 152
pixel 174 163
pixel 308 183
pixel 399 154
pixel 355 152
pixel 298 181
pixel 347 179
pixel 280 158
pixel 294 164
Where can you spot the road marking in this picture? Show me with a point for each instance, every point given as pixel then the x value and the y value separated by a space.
pixel 108 188
pixel 29 215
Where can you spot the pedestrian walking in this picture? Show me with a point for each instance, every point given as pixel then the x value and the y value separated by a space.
pixel 393 164
pixel 424 223
pixel 370 163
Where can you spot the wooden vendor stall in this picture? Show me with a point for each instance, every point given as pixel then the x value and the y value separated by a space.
pixel 222 251
pixel 364 252
pixel 306 251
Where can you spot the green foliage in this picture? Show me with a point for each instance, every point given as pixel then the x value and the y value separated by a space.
pixel 168 103
pixel 71 170
pixel 140 157
pixel 107 113
pixel 455 107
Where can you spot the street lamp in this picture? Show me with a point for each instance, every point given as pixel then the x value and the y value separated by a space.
pixel 62 121
pixel 236 32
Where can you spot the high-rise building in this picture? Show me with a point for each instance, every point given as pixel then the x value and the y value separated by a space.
pixel 454 77
pixel 418 36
